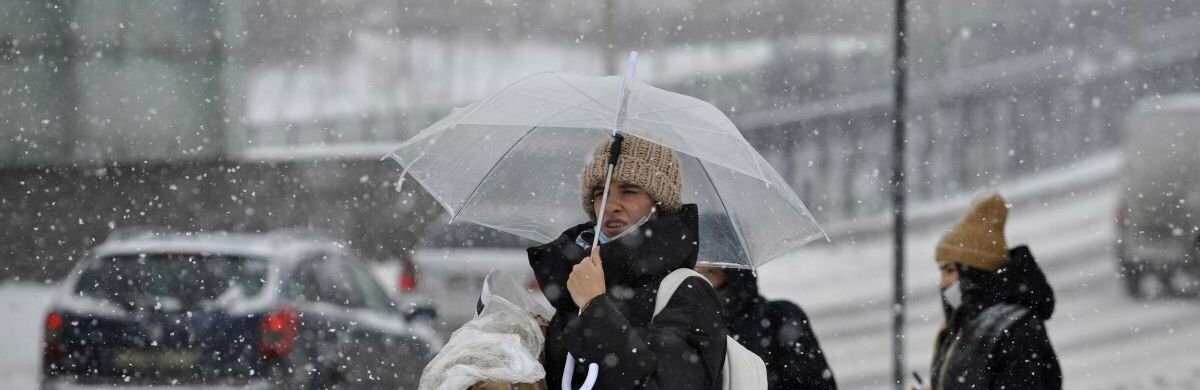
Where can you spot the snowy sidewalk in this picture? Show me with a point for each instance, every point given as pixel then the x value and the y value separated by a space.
pixel 1104 339
pixel 22 314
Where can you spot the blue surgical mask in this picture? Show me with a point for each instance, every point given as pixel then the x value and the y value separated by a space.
pixel 605 239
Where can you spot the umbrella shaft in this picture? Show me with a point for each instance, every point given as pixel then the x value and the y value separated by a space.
pixel 603 205
pixel 614 153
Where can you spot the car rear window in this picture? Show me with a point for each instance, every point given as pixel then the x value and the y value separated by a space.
pixel 173 282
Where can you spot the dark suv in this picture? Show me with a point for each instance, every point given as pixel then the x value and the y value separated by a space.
pixel 279 310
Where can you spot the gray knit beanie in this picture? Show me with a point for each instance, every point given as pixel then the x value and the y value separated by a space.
pixel 645 164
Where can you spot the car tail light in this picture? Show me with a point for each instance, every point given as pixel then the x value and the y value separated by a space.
pixel 52 349
pixel 278 335
pixel 408 278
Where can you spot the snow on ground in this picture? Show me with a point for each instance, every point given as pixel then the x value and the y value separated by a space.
pixel 1104 339
pixel 22 313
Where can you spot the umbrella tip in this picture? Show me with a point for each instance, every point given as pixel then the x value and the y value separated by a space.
pixel 629 71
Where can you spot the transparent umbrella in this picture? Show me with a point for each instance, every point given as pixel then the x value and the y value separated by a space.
pixel 512 162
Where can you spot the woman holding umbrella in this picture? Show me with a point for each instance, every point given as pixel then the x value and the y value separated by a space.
pixel 604 296
pixel 511 162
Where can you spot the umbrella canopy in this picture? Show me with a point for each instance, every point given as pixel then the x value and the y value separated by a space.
pixel 512 162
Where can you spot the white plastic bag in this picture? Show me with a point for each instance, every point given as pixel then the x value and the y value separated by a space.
pixel 501 344
pixel 503 285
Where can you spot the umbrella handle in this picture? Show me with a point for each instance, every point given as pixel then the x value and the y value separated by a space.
pixel 569 374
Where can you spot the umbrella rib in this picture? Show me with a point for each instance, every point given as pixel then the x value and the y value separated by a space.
pixel 560 112
pixel 435 196
pixel 721 199
pixel 757 175
pixel 656 112
pixel 489 173
pixel 664 122
pixel 494 95
pixel 597 101
pixel 510 148
pixel 659 122
pixel 571 105
pixel 539 236
pixel 471 111
pixel 506 152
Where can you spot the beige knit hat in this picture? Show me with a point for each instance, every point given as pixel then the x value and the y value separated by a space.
pixel 651 166
pixel 978 239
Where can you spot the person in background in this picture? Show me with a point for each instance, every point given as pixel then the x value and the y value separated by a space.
pixel 996 301
pixel 777 331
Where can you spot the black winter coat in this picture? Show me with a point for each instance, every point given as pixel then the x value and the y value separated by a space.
pixel 997 339
pixel 777 331
pixel 683 348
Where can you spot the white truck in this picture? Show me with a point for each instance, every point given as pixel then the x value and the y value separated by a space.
pixel 1158 239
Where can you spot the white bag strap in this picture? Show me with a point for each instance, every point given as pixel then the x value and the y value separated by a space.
pixel 568 375
pixel 667 288
pixel 743 369
pixel 752 373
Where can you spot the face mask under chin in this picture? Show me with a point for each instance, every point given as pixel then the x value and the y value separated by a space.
pixel 605 239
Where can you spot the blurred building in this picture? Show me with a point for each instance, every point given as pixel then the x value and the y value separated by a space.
pixel 208 114
pixel 95 82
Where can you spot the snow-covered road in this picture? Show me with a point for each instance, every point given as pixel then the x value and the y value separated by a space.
pixel 22 311
pixel 1104 339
